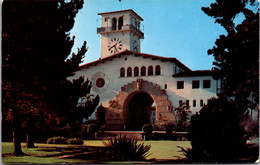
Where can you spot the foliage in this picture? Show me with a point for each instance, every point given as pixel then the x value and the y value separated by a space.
pixel 216 134
pixel 36 62
pixel 237 53
pixel 89 129
pixel 57 140
pixel 182 113
pixel 169 127
pixel 123 149
pixel 252 128
pixel 75 141
pixel 147 129
pixel 187 153
pixel 63 140
pixel 92 128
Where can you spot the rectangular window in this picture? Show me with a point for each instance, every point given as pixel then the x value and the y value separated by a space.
pixel 206 83
pixel 201 103
pixel 180 103
pixel 194 103
pixel 187 103
pixel 165 86
pixel 180 84
pixel 195 84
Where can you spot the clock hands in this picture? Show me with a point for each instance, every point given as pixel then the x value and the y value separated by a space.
pixel 112 46
pixel 115 45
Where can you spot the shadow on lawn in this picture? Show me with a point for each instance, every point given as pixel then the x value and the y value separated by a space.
pixel 95 154
pixel 92 153
pixel 72 152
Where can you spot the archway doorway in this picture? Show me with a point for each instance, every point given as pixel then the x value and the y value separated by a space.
pixel 139 111
pixel 118 116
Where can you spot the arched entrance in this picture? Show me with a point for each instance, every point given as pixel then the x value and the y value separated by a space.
pixel 132 107
pixel 138 110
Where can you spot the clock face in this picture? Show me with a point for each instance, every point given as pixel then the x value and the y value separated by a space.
pixel 135 46
pixel 114 45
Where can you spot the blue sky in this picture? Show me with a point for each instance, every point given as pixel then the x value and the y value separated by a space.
pixel 172 28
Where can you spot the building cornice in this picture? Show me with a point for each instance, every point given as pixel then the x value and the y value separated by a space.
pixel 194 73
pixel 120 11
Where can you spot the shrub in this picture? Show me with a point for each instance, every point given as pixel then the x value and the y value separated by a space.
pixel 84 129
pixel 57 140
pixel 77 141
pixel 63 140
pixel 216 134
pixel 91 130
pixel 182 112
pixel 147 129
pixel 123 149
pixel 187 152
pixel 169 127
pixel 252 128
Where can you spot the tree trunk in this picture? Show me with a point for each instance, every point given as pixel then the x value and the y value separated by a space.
pixel 17 150
pixel 29 140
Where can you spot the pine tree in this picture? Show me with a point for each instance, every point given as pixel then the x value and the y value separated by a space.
pixel 237 53
pixel 36 62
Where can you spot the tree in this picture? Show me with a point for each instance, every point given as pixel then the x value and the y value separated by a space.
pixel 36 61
pixel 237 53
pixel 216 134
pixel 182 113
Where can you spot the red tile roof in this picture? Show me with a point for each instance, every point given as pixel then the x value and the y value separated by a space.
pixel 129 52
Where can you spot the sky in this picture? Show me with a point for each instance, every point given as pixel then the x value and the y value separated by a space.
pixel 172 28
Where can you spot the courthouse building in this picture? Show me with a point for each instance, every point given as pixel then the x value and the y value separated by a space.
pixel 138 88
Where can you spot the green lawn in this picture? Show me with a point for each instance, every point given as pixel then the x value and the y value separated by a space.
pixel 49 153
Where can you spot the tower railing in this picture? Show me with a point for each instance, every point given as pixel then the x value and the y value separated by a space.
pixel 125 27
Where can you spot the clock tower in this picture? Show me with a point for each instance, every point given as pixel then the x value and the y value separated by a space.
pixel 120 31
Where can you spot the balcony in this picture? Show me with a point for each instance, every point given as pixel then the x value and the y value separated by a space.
pixel 125 27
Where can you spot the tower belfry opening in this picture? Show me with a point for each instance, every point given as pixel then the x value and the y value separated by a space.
pixel 120 31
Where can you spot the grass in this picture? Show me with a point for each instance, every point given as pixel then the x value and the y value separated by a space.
pixel 49 153
pixel 166 149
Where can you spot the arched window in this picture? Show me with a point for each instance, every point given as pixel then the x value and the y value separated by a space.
pixel 150 70
pixel 136 71
pixel 122 72
pixel 129 72
pixel 158 70
pixel 120 23
pixel 114 24
pixel 143 71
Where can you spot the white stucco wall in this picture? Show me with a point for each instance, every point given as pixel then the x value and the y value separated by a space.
pixel 126 36
pixel 192 94
pixel 111 73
